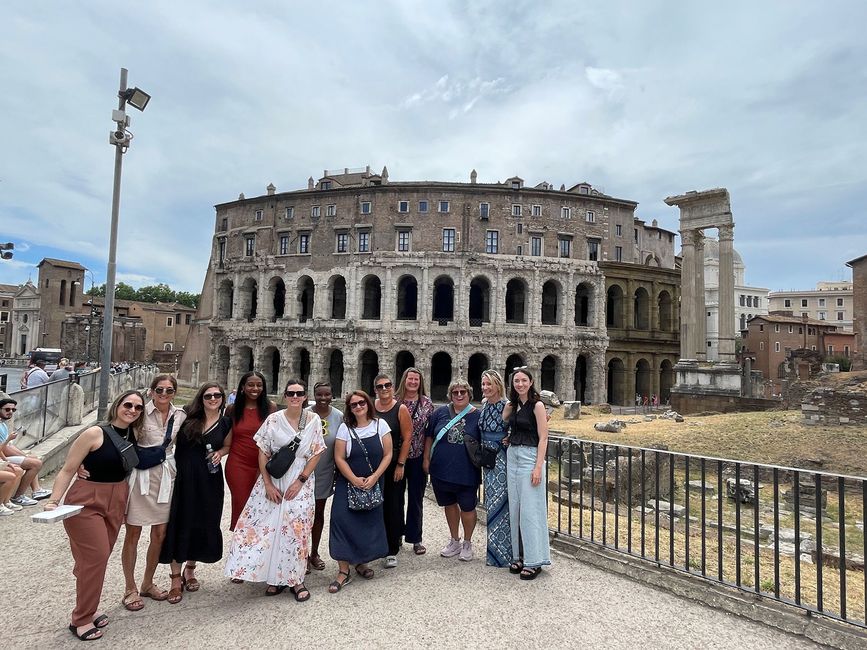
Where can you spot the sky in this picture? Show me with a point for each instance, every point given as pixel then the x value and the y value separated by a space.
pixel 642 99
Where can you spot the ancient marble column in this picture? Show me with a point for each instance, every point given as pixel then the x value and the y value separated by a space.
pixel 726 295
pixel 700 306
pixel 687 295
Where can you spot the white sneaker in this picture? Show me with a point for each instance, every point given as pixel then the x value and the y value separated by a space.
pixel 41 494
pixel 390 562
pixel 452 548
pixel 5 512
pixel 14 507
pixel 24 500
pixel 466 551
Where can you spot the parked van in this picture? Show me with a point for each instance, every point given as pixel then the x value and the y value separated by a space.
pixel 51 357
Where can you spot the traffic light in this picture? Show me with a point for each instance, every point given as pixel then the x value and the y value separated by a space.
pixel 6 250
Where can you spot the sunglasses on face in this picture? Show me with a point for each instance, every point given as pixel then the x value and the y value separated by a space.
pixel 168 391
pixel 458 392
pixel 210 396
pixel 384 386
pixel 129 406
pixel 11 409
pixel 357 405
pixel 295 393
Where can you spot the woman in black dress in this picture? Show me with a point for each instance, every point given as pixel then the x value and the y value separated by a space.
pixel 193 533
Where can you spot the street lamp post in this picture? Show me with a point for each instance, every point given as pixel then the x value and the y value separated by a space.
pixel 120 138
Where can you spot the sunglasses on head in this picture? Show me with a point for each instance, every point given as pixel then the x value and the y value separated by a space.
pixel 384 386
pixel 210 396
pixel 160 390
pixel 295 393
pixel 357 405
pixel 129 406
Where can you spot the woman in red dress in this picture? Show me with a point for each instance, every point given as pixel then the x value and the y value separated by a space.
pixel 249 411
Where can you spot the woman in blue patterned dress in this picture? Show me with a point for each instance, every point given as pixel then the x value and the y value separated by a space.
pixel 494 430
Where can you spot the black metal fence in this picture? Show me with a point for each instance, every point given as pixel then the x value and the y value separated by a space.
pixel 791 535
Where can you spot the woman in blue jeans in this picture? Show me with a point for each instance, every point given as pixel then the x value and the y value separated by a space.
pixel 525 469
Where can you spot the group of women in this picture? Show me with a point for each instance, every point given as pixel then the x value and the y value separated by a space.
pixel 282 466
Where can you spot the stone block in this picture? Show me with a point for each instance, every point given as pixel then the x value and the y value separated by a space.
pixel 666 506
pixel 809 407
pixel 572 410
pixel 708 488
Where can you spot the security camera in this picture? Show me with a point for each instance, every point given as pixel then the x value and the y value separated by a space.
pixel 118 138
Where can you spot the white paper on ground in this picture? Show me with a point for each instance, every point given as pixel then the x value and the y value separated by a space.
pixel 58 514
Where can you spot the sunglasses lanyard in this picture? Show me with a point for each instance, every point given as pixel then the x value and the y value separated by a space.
pixel 446 428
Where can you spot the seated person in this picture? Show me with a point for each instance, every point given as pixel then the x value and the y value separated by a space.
pixel 10 477
pixel 13 455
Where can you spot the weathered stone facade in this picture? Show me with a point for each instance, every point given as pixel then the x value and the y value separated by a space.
pixel 859 300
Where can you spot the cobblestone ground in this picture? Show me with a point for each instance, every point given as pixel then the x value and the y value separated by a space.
pixel 428 601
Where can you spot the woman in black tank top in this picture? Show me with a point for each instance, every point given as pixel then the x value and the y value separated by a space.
pixel 103 495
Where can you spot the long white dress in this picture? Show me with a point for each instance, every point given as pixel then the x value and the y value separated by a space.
pixel 271 540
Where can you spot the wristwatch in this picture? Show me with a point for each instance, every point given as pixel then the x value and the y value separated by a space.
pixel 399 464
pixel 302 478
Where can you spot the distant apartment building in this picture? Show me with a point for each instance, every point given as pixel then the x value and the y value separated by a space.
pixel 829 301
pixel 7 296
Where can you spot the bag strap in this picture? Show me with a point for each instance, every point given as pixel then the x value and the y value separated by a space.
pixel 447 427
pixel 167 439
pixel 361 444
pixel 114 436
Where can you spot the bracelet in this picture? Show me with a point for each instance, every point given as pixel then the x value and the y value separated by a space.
pixel 399 464
pixel 54 502
pixel 303 478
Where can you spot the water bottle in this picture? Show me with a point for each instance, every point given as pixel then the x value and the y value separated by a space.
pixel 212 467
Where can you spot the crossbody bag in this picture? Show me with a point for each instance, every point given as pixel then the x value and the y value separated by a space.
pixel 280 462
pixel 358 498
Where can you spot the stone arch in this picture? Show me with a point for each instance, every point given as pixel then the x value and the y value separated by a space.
pixel 221 371
pixel 440 376
pixel 306 293
pixel 641 311
pixel 368 366
pixel 335 373
pixel 582 368
pixel 666 380
pixel 277 292
pixel 407 298
pixel 642 378
pixel 337 293
pixel 224 299
pixel 550 303
pixel 402 361
pixel 616 380
pixel 512 361
pixel 476 365
pixel 249 299
pixel 270 365
pixel 245 359
pixel 371 288
pixel 584 305
pixel 652 260
pixel 302 365
pixel 664 304
pixel 444 299
pixel 548 373
pixel 516 301
pixel 614 306
pixel 480 301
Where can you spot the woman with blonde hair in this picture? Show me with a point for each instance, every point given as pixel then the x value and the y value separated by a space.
pixel 494 431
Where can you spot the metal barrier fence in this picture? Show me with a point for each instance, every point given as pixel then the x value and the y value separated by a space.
pixel 791 535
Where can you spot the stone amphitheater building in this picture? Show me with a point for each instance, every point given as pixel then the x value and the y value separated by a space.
pixel 357 274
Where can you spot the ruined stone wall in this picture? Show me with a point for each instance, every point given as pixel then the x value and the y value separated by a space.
pixel 832 406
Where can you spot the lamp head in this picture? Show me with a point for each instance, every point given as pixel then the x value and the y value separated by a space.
pixel 136 97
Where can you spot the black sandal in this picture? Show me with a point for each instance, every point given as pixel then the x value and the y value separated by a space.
pixel 301 593
pixel 367 573
pixel 337 585
pixel 530 574
pixel 274 590
pixel 101 621
pixel 516 567
pixel 88 635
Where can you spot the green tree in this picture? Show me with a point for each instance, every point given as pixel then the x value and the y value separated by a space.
pixel 188 299
pixel 156 293
pixel 123 291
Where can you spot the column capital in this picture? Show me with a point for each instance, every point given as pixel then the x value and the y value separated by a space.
pixel 691 237
pixel 727 231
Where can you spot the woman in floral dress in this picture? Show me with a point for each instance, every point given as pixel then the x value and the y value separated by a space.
pixel 272 536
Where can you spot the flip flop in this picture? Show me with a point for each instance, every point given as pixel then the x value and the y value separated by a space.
pixel 88 635
pixel 101 621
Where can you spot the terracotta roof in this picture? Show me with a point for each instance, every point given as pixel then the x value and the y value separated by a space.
pixel 8 288
pixel 64 263
pixel 777 318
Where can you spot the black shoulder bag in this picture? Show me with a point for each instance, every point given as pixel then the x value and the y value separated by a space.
pixel 128 455
pixel 152 456
pixel 481 453
pixel 280 462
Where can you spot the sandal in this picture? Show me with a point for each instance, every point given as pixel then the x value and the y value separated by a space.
pixel 516 567
pixel 530 574
pixel 154 593
pixel 419 549
pixel 367 573
pixel 132 604
pixel 338 584
pixel 101 621
pixel 301 593
pixel 176 594
pixel 275 590
pixel 236 581
pixel 190 584
pixel 316 562
pixel 89 635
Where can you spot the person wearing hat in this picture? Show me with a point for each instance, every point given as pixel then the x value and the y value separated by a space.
pixel 14 456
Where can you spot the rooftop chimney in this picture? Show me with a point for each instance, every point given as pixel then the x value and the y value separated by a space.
pixel 473 176
pixel 270 189
pixel 310 183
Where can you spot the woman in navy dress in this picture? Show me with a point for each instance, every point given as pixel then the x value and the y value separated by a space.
pixel 362 453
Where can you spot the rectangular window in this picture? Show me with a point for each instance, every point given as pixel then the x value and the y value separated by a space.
pixel 823 315
pixel 776 328
pixel 776 346
pixel 787 303
pixel 403 206
pixel 535 246
pixel 742 300
pixel 221 252
pixel 448 240
pixel 618 253
pixel 330 210
pixel 519 250
pixel 284 244
pixel 187 320
pixel 618 230
pixel 403 241
pixel 259 214
pixel 250 245
pixel 635 234
pixel 365 207
pixel 566 213
pixel 519 228
pixel 492 242
pixel 593 251
pixel 839 315
pixel 325 185
pixel 803 313
pixel 761 328
pixel 565 247
pixel 169 321
pixel 821 302
pixel 304 243
pixel 590 217
pixel 342 242
pixel 830 349
pixel 756 302
pixel 224 224
pixel 803 302
pixel 791 329
pixel 290 212
pixel 846 350
pixel 761 345
pixel 516 209
pixel 364 242
pixel 484 209
pixel 423 206
pixel 315 211
pixel 444 206
pixel 839 302
pixel 537 210
pixel 4 316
